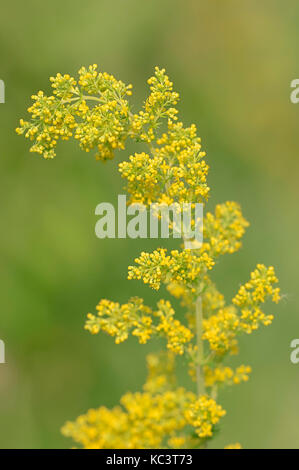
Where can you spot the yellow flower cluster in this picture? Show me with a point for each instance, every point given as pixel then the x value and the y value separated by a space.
pixel 153 418
pixel 180 267
pixel 104 124
pixel 176 170
pixel 119 320
pixel 99 429
pixel 254 293
pixel 160 104
pixel 146 421
pixel 145 177
pixel 177 334
pixel 258 289
pixel 204 414
pixel 64 86
pixel 226 375
pixel 221 329
pixel 50 122
pixel 224 229
pixel 187 175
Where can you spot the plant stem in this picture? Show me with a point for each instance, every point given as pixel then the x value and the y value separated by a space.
pixel 76 98
pixel 200 351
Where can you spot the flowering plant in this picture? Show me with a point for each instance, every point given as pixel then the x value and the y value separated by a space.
pixel 94 109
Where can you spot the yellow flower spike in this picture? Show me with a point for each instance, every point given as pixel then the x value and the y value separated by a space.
pixel 93 108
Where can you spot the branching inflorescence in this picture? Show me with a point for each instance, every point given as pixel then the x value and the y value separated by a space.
pixel 94 109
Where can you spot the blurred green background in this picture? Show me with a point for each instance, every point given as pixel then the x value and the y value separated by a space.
pixel 232 63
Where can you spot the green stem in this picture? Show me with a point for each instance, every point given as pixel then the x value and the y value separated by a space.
pixel 93 98
pixel 214 392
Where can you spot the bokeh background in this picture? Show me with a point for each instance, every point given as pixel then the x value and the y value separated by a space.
pixel 233 63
